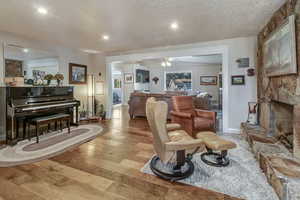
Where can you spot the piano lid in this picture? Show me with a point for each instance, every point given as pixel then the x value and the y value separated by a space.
pixel 39 92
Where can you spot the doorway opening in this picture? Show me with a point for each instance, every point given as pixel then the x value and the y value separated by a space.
pixel 197 72
pixel 117 87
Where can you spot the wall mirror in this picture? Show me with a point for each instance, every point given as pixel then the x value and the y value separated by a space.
pixel 28 66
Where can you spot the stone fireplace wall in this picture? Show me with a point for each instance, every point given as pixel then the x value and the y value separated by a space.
pixel 281 118
pixel 282 89
pixel 281 123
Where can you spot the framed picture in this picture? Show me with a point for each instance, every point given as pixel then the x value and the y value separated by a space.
pixel 243 62
pixel 117 83
pixel 238 80
pixel 128 78
pixel 142 76
pixel 208 80
pixel 77 74
pixel 178 81
pixel 279 50
pixel 38 75
pixel 13 68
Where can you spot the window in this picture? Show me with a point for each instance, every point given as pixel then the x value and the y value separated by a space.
pixel 178 81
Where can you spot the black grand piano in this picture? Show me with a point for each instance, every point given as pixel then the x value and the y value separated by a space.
pixel 27 102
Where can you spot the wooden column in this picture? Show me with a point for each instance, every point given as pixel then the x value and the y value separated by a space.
pixel 297 131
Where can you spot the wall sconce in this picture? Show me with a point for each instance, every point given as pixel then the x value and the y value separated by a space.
pixel 155 80
pixel 251 72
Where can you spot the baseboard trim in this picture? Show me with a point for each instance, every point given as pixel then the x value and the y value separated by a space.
pixel 233 130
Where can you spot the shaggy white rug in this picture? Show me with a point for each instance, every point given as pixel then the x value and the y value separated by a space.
pixel 242 178
pixel 50 144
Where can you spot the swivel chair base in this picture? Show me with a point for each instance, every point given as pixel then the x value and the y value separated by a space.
pixel 220 161
pixel 177 173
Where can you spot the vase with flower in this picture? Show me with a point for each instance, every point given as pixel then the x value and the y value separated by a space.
pixel 59 78
pixel 48 78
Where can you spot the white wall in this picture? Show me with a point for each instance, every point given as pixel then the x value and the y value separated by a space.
pixel 128 88
pixel 197 70
pixel 95 63
pixel 49 65
pixel 236 97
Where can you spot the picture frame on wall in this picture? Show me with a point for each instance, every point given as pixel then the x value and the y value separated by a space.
pixel 238 80
pixel 77 73
pixel 128 78
pixel 13 68
pixel 142 76
pixel 208 80
pixel 117 83
pixel 279 50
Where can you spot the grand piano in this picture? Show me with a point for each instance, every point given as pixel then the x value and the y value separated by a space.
pixel 27 102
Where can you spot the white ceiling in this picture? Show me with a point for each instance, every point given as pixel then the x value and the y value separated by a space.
pixel 134 24
pixel 192 60
pixel 201 60
pixel 209 59
pixel 17 53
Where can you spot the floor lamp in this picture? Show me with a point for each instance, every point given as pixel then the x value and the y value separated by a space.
pixel 91 95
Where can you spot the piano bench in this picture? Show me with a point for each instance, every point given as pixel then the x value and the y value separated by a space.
pixel 39 121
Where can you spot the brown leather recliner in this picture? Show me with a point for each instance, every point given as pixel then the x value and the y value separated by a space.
pixel 169 144
pixel 192 120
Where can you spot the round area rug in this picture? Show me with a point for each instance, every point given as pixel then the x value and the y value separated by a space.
pixel 50 145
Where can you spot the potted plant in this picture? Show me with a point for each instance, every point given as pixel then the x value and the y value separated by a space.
pixel 82 113
pixel 49 77
pixel 102 112
pixel 59 78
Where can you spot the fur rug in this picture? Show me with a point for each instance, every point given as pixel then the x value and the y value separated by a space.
pixel 242 178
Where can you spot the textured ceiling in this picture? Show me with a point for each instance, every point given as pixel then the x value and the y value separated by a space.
pixel 134 24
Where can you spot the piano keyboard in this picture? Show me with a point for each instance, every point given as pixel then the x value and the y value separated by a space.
pixel 48 106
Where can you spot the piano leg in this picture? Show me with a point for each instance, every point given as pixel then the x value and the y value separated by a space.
pixel 12 139
pixel 77 115
pixel 74 112
pixel 17 129
pixel 24 129
pixel 37 133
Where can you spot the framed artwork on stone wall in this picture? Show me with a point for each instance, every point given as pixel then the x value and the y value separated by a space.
pixel 279 50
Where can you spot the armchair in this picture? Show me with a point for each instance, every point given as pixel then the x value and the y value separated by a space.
pixel 192 120
pixel 169 144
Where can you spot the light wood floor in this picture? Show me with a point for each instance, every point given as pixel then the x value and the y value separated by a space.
pixel 105 168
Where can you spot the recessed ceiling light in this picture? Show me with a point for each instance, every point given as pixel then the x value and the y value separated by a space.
pixel 42 10
pixel 25 50
pixel 174 26
pixel 105 37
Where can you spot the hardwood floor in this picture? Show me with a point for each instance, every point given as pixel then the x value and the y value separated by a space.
pixel 105 168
